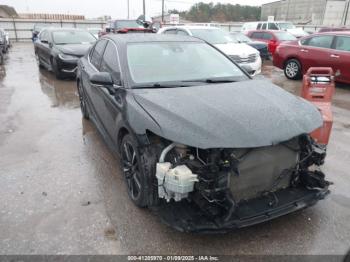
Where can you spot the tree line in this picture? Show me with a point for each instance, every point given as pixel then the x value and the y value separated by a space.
pixel 202 12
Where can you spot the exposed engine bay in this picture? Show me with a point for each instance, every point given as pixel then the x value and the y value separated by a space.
pixel 217 182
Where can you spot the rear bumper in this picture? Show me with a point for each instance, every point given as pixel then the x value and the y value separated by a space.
pixel 186 217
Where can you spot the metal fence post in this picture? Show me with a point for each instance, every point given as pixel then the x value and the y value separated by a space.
pixel 14 28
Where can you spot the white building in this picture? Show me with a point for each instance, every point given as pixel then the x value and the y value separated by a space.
pixel 316 12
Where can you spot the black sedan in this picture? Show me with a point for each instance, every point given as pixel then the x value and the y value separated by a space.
pixel 200 142
pixel 59 49
pixel 260 46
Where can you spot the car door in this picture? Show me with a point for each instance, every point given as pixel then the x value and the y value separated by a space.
pixel 90 67
pixel 112 104
pixel 316 52
pixel 340 56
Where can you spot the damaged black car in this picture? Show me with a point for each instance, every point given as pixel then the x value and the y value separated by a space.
pixel 200 142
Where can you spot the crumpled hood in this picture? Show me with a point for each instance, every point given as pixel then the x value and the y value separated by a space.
pixel 240 49
pixel 247 114
pixel 74 49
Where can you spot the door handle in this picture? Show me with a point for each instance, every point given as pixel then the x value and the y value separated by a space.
pixel 334 56
pixel 304 51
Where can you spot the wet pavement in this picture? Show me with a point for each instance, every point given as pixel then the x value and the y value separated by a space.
pixel 62 191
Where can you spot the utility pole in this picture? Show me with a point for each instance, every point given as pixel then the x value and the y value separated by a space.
pixel 128 9
pixel 346 12
pixel 144 8
pixel 162 11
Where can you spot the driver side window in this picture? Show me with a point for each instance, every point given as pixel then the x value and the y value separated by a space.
pixel 96 54
pixel 44 36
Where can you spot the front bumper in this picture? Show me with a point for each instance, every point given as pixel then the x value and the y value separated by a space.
pixel 187 217
pixel 255 67
pixel 68 66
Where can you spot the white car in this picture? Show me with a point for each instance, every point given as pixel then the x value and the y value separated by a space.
pixel 244 55
pixel 275 25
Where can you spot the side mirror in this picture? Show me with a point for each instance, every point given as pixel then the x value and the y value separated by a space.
pixel 103 79
pixel 44 41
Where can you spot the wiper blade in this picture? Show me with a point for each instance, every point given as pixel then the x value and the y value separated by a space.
pixel 211 80
pixel 160 85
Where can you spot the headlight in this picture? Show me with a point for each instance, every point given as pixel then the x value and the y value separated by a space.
pixel 68 57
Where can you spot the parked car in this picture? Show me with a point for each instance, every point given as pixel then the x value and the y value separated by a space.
pixel 258 45
pixel 277 25
pixel 37 29
pixel 58 49
pixel 4 41
pixel 198 139
pixel 330 49
pixel 241 53
pixel 127 26
pixel 272 38
pixel 333 29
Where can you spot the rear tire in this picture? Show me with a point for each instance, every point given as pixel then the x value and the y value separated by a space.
pixel 292 69
pixel 83 102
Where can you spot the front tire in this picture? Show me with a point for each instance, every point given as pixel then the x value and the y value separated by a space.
pixel 139 172
pixel 292 69
pixel 38 62
pixel 56 69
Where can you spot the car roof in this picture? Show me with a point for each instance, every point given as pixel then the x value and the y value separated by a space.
pixel 268 31
pixel 149 37
pixel 189 27
pixel 334 33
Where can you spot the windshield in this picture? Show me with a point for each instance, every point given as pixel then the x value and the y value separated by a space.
pixel 127 24
pixel 241 38
pixel 212 36
pixel 284 36
pixel 94 31
pixel 285 26
pixel 157 62
pixel 72 37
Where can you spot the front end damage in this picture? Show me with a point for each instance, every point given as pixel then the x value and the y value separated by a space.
pixel 216 190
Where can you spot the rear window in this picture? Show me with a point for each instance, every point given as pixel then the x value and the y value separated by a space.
pixel 284 36
pixel 267 36
pixel 257 35
pixel 273 26
pixel 342 43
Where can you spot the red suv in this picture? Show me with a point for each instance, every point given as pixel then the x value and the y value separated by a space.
pixel 272 38
pixel 330 49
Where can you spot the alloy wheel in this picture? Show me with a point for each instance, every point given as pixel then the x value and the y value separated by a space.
pixel 292 69
pixel 131 170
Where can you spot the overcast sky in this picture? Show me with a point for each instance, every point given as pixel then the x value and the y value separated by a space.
pixel 114 8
